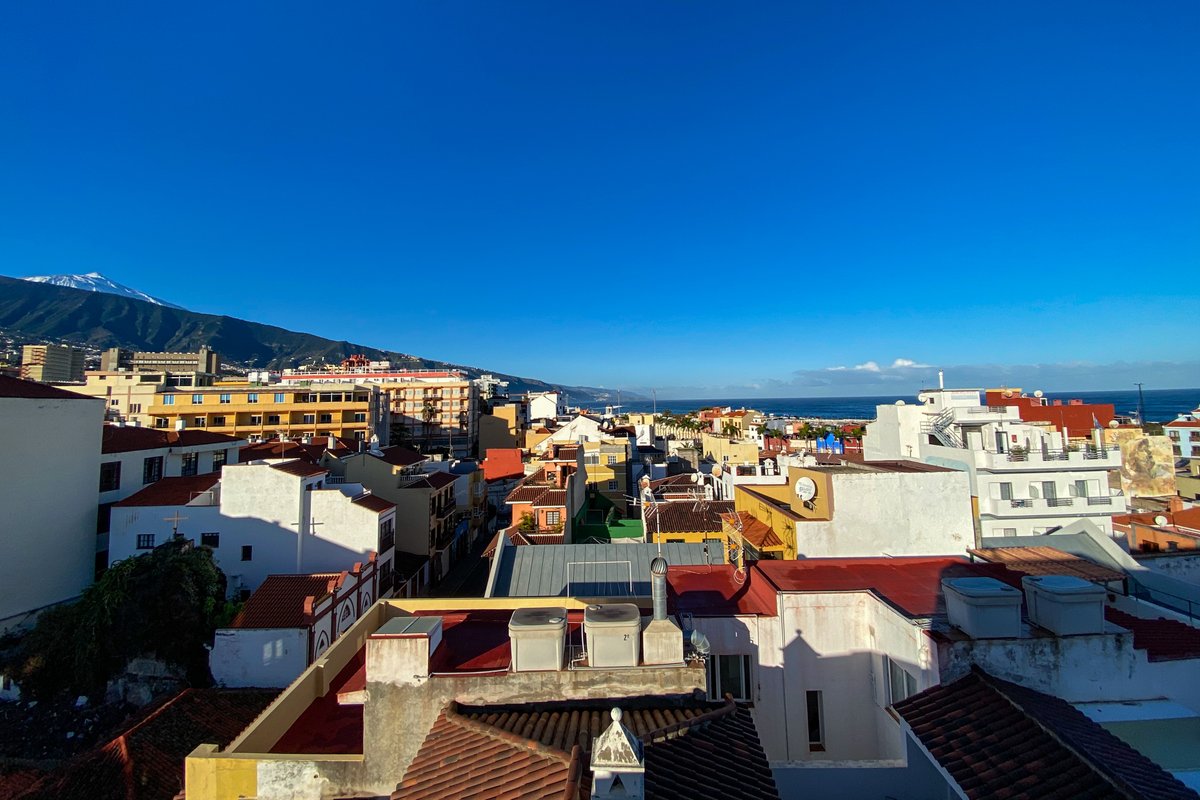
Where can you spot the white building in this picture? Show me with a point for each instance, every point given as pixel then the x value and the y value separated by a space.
pixel 546 405
pixel 1027 479
pixel 48 544
pixel 288 622
pixel 261 518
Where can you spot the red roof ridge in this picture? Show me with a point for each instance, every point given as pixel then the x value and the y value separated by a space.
pixel 670 731
pixel 515 740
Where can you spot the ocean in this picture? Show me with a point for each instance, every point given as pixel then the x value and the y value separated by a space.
pixel 1162 405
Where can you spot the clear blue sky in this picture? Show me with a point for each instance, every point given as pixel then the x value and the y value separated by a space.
pixel 702 197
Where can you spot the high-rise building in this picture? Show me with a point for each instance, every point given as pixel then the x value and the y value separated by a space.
pixel 52 363
pixel 205 360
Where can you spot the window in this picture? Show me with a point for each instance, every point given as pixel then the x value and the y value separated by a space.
pixel 197 399
pixel 152 469
pixel 190 465
pixel 135 408
pixel 279 397
pixel 218 421
pixel 387 535
pixel 901 684
pixel 1006 491
pixel 256 419
pixel 247 552
pixel 210 539
pixel 326 419
pixel 729 675
pixel 816 722
pixel 610 461
pixel 225 398
pixel 168 399
pixel 272 419
pixel 161 422
pixel 252 397
pixel 110 476
pixel 309 419
pixel 198 422
pixel 145 541
pixel 103 518
pixel 612 486
pixel 553 517
pixel 591 459
pixel 219 459
pixel 359 416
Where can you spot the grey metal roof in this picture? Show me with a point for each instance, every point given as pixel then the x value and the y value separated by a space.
pixel 597 570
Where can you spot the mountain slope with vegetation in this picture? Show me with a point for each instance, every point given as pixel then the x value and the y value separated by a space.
pixel 39 311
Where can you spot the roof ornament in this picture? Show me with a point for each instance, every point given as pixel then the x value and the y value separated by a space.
pixel 618 763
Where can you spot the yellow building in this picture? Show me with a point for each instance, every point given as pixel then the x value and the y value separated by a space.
pixel 503 428
pixel 129 396
pixel 52 363
pixel 777 507
pixel 348 411
pixel 727 450
pixel 607 464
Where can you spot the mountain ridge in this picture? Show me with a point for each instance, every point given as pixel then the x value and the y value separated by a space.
pixel 100 320
pixel 96 282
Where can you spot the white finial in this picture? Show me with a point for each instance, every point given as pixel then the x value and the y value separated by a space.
pixel 615 714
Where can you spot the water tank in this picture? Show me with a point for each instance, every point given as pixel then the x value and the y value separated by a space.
pixel 983 608
pixel 1064 604
pixel 538 638
pixel 613 635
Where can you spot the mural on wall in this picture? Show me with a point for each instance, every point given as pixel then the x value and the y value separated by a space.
pixel 1147 466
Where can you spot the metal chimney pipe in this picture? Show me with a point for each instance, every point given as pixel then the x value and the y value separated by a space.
pixel 658 586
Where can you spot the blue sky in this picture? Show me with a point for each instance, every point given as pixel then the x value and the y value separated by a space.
pixel 694 196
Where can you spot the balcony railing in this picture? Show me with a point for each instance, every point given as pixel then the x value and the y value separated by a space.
pixel 1059 502
pixel 1099 501
pixel 1017 503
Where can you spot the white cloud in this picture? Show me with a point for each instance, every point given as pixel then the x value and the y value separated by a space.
pixel 903 363
pixel 873 366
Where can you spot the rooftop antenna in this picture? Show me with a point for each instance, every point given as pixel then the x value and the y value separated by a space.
pixel 1141 405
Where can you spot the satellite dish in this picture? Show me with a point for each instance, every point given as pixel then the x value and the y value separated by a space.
pixel 1037 393
pixel 1113 424
pixel 716 471
pixel 1160 520
pixel 806 489
pixel 696 478
pixel 900 402
pixel 1008 392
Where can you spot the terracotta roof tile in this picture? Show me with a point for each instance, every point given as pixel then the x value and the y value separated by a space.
pixel 686 516
pixel 501 463
pixel 753 530
pixel 1046 561
pixel 1162 639
pixel 997 739
pixel 693 749
pixel 126 439
pixel 374 503
pixel 172 491
pixel 399 456
pixel 147 760
pixel 16 387
pixel 278 602
pixel 300 468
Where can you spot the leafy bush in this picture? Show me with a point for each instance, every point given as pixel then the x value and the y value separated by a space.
pixel 164 604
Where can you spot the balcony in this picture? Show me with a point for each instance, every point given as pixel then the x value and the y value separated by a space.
pixel 1036 459
pixel 1024 507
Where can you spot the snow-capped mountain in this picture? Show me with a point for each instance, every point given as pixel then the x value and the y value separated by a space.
pixel 95 282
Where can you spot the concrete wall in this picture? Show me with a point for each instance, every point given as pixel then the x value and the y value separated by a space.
pixel 1182 567
pixel 48 544
pixel 258 657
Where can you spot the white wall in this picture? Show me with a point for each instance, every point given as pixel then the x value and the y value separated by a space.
pixel 260 657
pixel 48 493
pixel 894 513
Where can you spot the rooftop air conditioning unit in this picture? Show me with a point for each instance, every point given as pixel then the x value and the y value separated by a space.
pixel 983 608
pixel 1064 604
pixel 539 637
pixel 613 635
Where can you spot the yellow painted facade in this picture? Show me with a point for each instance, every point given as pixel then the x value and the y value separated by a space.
pixel 778 506
pixel 607 465
pixel 725 450
pixel 263 412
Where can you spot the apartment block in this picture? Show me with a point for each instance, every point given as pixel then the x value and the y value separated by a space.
pixel 205 360
pixel 52 363
pixel 128 396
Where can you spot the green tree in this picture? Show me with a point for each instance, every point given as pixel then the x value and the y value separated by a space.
pixel 165 604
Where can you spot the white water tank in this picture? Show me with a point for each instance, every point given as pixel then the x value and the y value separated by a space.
pixel 1064 604
pixel 983 608
pixel 613 635
pixel 538 637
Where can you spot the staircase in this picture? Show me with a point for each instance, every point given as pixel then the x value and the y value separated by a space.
pixel 941 428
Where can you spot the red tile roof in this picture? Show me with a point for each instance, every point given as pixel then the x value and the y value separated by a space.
pixel 687 516
pixel 1162 639
pixel 692 749
pixel 278 602
pixel 1000 740
pixel 1047 561
pixel 146 761
pixel 719 591
pixel 473 641
pixel 32 390
pixel 753 530
pixel 300 468
pixel 127 439
pixel 910 584
pixel 172 491
pixel 288 449
pixel 1183 423
pixel 374 503
pixel 500 463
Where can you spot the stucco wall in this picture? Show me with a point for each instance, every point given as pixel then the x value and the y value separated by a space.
pixel 258 657
pixel 48 545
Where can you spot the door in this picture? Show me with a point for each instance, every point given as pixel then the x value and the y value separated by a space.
pixel 1050 491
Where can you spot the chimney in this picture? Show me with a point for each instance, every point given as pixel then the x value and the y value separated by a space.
pixel 662 641
pixel 399 651
pixel 1174 505
pixel 618 763
pixel 331 442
